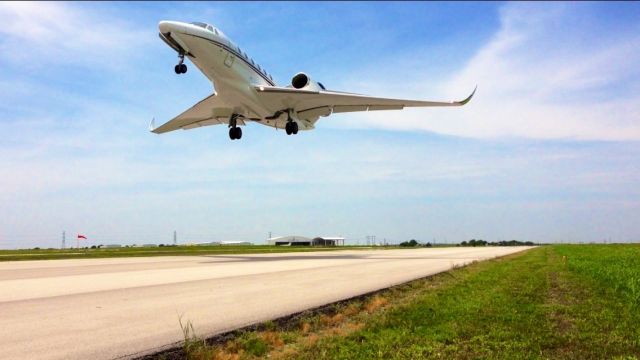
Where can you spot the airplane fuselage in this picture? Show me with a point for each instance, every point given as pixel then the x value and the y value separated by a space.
pixel 231 71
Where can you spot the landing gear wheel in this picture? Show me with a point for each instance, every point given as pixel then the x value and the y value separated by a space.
pixel 291 128
pixel 180 68
pixel 235 133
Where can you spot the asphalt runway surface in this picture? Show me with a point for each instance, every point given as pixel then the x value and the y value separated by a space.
pixel 127 307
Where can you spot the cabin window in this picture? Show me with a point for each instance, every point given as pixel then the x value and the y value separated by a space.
pixel 321 86
pixel 210 28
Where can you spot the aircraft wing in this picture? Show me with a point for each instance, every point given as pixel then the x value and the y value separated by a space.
pixel 311 103
pixel 208 111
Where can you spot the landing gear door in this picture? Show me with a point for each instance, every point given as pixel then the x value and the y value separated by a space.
pixel 228 60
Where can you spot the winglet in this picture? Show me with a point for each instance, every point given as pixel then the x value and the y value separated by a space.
pixel 463 102
pixel 152 124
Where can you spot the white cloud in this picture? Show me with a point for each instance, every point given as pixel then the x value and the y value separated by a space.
pixel 38 34
pixel 547 73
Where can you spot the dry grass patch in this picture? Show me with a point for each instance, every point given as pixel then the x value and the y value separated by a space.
pixel 376 303
pixel 311 339
pixel 332 320
pixel 221 354
pixel 272 339
pixel 305 327
pixel 351 310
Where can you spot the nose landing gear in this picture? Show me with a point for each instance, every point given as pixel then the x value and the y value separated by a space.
pixel 181 68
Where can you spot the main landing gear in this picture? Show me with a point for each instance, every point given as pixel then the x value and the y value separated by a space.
pixel 235 133
pixel 291 127
pixel 181 68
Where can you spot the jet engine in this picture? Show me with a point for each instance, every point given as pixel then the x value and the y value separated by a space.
pixel 303 81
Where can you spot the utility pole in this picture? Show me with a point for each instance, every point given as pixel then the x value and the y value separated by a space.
pixel 175 238
pixel 64 239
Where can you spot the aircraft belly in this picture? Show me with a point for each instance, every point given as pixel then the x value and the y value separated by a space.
pixel 232 77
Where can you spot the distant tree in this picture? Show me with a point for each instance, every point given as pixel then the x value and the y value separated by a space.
pixel 410 243
pixel 161 245
pixel 464 243
pixel 93 247
pixel 428 244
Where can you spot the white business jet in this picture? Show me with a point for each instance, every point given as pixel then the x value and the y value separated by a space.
pixel 246 92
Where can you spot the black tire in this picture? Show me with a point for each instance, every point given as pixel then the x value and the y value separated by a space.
pixel 183 68
pixel 232 133
pixel 238 133
pixel 177 69
pixel 287 128
pixel 294 128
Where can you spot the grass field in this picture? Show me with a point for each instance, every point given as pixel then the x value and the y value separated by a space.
pixel 13 255
pixel 558 302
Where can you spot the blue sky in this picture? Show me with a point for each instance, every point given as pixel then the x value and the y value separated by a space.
pixel 546 151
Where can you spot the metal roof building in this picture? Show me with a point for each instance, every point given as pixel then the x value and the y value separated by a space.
pixel 295 240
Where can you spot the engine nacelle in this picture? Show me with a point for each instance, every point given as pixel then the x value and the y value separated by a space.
pixel 303 81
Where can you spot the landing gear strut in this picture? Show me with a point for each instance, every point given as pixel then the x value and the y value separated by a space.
pixel 181 68
pixel 235 133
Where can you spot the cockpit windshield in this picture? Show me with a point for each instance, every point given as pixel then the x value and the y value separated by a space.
pixel 202 25
pixel 205 26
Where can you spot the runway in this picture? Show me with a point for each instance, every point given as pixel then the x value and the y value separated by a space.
pixel 126 307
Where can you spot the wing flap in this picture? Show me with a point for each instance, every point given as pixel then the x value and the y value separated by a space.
pixel 315 113
pixel 349 108
pixel 385 107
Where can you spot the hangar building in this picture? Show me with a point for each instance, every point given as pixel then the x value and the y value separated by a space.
pixel 295 240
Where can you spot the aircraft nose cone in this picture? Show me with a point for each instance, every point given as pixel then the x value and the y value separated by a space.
pixel 170 26
pixel 164 26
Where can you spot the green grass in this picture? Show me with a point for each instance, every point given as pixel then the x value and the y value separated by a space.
pixel 613 267
pixel 14 255
pixel 558 302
